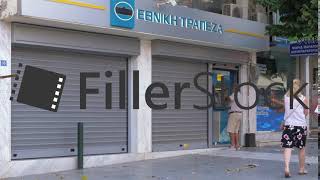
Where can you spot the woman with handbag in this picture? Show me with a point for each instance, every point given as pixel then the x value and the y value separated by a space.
pixel 294 129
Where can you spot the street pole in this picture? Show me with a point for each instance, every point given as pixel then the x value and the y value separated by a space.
pixel 80 145
pixel 307 75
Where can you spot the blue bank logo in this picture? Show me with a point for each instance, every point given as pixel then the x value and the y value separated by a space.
pixel 122 13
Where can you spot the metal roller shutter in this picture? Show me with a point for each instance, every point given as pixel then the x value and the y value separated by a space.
pixel 185 128
pixel 38 133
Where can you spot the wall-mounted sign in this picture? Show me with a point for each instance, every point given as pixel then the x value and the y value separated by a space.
pixel 144 17
pixel 3 63
pixel 304 48
pixel 122 13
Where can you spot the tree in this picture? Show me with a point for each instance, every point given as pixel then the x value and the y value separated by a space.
pixel 299 18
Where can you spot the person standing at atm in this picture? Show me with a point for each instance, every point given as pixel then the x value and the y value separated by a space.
pixel 234 119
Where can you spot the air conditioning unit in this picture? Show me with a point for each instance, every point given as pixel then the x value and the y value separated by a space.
pixel 233 10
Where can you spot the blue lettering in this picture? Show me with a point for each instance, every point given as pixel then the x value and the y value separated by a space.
pixel 214 29
pixel 183 21
pixel 148 16
pixel 203 25
pixel 196 25
pixel 161 18
pixel 140 14
pixel 167 19
pixel 156 17
pixel 208 26
pixel 174 20
pixel 220 30
pixel 189 23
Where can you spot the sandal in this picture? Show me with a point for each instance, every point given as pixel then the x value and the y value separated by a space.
pixel 303 173
pixel 287 175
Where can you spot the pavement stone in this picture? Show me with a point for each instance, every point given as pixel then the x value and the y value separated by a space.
pixel 311 150
pixel 223 165
pixel 190 167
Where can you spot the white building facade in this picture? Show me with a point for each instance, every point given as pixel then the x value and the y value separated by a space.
pixel 99 46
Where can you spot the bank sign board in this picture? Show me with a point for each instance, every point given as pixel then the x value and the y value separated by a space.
pixel 304 48
pixel 146 18
pixel 123 14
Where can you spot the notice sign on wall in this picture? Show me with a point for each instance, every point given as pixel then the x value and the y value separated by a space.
pixel 304 48
pixel 3 63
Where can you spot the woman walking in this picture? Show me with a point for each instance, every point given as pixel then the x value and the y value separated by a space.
pixel 294 129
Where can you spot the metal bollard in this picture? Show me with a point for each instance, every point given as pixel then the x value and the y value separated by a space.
pixel 80 145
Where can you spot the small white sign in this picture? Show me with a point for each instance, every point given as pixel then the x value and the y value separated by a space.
pixel 317 110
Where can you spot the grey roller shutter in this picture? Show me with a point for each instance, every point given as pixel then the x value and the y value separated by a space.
pixel 185 128
pixel 37 133
pixel 25 34
pixel 198 53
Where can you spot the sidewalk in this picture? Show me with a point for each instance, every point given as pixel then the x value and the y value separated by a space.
pixel 247 164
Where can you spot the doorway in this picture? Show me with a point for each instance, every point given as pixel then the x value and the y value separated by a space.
pixel 222 83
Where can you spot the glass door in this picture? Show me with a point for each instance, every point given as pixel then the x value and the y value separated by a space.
pixel 222 82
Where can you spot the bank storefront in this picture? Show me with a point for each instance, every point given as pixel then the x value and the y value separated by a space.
pixel 99 46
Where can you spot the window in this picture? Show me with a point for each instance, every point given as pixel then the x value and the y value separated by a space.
pixel 252 10
pixel 275 67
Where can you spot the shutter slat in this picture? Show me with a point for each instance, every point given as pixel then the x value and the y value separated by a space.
pixel 171 127
pixel 106 131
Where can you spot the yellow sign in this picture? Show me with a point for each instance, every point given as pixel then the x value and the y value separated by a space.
pixel 186 146
pixel 84 178
pixel 219 77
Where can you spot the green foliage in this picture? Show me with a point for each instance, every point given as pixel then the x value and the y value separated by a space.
pixel 299 18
